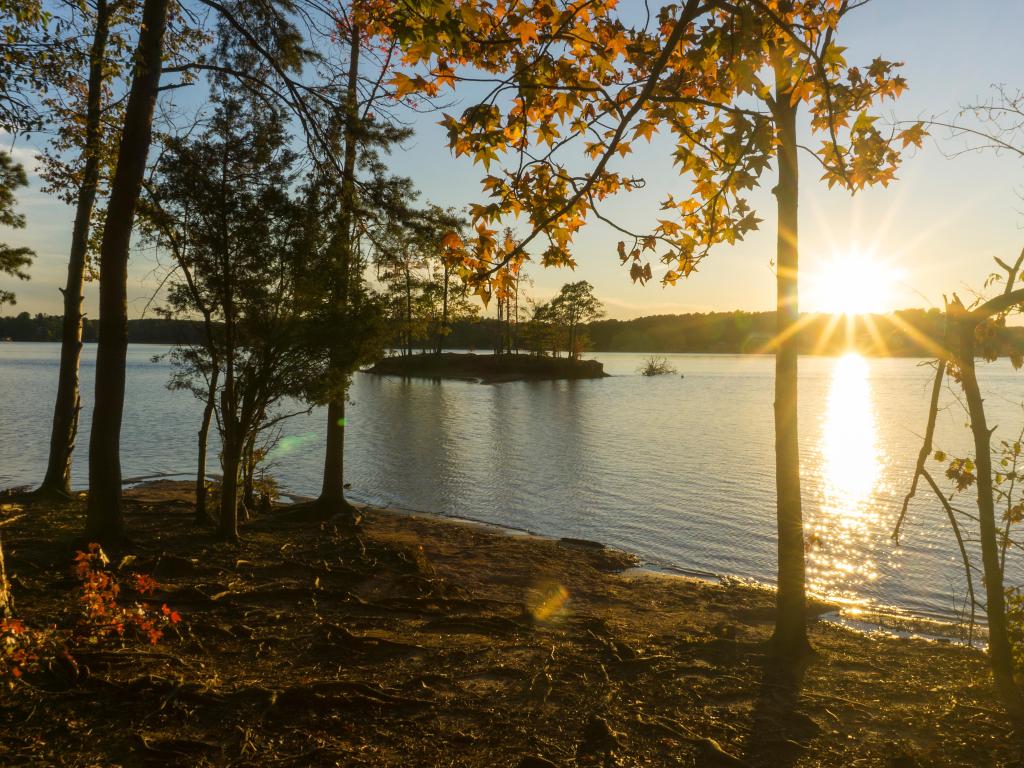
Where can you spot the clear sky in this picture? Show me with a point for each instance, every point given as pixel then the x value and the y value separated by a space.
pixel 937 228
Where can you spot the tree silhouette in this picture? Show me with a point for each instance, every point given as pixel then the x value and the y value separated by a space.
pixel 575 305
pixel 222 207
pixel 13 261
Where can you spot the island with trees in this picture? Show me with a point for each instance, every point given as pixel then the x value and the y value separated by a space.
pixel 527 350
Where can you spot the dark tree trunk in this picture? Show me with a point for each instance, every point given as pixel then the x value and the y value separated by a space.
pixel 508 324
pixel 499 343
pixel 408 310
pixel 202 515
pixel 790 637
pixel 443 332
pixel 248 479
pixel 227 527
pixel 105 518
pixel 999 648
pixel 515 322
pixel 68 405
pixel 332 493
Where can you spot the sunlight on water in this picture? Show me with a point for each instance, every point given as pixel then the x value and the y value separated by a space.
pixel 839 560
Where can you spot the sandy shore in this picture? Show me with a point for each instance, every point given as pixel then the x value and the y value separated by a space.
pixel 425 641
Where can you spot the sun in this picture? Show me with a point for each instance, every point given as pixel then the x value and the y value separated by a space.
pixel 852 283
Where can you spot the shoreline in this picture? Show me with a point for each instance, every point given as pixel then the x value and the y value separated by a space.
pixel 890 620
pixel 429 641
pixel 868 619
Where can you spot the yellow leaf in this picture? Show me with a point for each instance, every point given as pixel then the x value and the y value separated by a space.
pixel 646 129
pixel 617 45
pixel 451 240
pixel 526 30
pixel 403 85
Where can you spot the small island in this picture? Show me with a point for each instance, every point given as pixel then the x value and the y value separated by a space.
pixel 488 368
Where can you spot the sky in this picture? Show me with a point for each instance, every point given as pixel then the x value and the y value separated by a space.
pixel 934 231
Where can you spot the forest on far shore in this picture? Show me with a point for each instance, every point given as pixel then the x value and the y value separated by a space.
pixel 905 333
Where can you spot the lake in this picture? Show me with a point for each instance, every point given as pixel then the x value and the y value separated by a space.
pixel 677 469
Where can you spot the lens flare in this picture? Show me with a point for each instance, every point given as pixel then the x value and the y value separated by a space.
pixel 291 443
pixel 547 602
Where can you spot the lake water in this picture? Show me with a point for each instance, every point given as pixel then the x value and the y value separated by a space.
pixel 677 470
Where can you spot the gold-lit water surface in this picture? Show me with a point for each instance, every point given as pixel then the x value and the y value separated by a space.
pixel 848 517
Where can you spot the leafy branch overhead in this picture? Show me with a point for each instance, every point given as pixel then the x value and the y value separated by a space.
pixel 571 90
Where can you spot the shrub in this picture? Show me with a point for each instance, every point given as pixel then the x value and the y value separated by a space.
pixel 656 365
pixel 99 612
pixel 20 649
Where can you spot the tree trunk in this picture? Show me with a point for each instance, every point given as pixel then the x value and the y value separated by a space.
pixel 248 478
pixel 68 405
pixel 498 344
pixel 790 637
pixel 515 322
pixel 444 310
pixel 333 490
pixel 202 516
pixel 227 528
pixel 999 649
pixel 332 493
pixel 408 308
pixel 105 518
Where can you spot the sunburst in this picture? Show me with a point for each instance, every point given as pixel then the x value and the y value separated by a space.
pixel 852 283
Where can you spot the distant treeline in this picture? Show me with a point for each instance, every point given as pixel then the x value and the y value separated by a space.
pixel 26 327
pixel 906 333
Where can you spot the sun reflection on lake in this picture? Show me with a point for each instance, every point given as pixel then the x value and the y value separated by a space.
pixel 842 529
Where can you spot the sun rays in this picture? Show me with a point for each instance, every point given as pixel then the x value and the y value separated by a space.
pixel 850 296
pixel 853 282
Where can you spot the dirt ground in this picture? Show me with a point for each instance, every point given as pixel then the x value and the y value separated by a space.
pixel 425 642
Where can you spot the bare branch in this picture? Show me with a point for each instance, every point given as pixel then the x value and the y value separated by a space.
pixel 960 542
pixel 926 446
